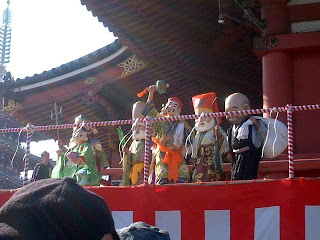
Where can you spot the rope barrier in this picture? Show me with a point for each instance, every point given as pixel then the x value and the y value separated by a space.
pixel 29 128
pixel 147 155
pixel 288 108
pixel 290 141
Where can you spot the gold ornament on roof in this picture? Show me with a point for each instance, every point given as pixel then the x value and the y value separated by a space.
pixel 89 80
pixel 131 65
pixel 12 106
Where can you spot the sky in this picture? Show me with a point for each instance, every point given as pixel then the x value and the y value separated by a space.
pixel 47 34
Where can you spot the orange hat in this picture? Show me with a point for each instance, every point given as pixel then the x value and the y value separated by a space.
pixel 204 102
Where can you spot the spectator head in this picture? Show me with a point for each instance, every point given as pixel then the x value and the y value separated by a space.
pixel 45 156
pixel 56 209
pixel 142 231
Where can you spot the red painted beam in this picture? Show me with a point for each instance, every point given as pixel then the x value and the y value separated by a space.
pixel 292 42
pixel 43 97
pixel 264 166
pixel 305 12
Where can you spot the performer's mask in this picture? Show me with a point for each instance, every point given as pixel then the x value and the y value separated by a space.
pixel 203 124
pixel 138 131
pixel 98 146
pixel 171 109
pixel 79 136
pixel 236 102
pixel 235 120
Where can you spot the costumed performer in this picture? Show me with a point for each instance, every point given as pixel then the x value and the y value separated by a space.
pixel 133 159
pixel 170 165
pixel 101 159
pixel 79 160
pixel 209 144
pixel 245 137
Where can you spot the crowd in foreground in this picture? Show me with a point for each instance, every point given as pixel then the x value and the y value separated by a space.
pixel 58 209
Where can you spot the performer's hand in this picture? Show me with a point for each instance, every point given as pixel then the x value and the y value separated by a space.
pixel 73 157
pixel 95 131
pixel 75 160
pixel 255 122
pixel 59 152
pixel 60 144
pixel 152 88
pixel 125 149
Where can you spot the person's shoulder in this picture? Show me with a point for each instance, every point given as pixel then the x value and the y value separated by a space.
pixel 38 165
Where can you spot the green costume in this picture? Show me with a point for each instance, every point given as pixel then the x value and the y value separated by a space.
pixel 85 172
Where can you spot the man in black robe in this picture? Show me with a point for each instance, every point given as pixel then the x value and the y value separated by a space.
pixel 245 137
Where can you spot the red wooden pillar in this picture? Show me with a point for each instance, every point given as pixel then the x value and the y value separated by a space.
pixel 276 65
pixel 275 13
pixel 277 80
pixel 290 63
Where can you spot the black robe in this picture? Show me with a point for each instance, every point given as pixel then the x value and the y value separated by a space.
pixel 244 165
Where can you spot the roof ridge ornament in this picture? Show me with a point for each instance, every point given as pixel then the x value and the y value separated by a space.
pixel 5 40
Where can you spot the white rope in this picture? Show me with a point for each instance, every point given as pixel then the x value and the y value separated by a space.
pixel 275 130
pixel 189 137
pixel 120 148
pixel 268 131
pixel 14 155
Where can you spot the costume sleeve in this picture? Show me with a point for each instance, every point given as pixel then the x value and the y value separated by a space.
pixel 87 156
pixel 151 111
pixel 88 162
pixel 258 136
pixel 58 170
pixel 126 165
pixel 102 159
pixel 224 146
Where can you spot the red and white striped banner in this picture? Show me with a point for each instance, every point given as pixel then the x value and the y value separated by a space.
pixel 250 210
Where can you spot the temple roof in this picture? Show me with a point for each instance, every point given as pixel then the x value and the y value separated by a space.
pixel 178 41
pixel 69 67
pixel 183 38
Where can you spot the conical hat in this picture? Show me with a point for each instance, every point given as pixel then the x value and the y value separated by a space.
pixel 203 102
pixel 137 108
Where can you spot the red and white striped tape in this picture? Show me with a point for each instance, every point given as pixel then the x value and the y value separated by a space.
pixel 289 109
pixel 172 118
pixel 147 146
pixel 290 140
pixel 29 128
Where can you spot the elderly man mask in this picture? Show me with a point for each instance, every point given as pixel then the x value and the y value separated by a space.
pixel 236 102
pixel 133 158
pixel 209 143
pixel 138 131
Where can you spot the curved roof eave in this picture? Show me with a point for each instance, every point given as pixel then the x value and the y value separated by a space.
pixel 85 63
